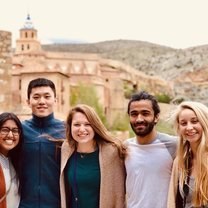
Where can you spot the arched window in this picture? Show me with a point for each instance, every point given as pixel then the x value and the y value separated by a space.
pixel 28 46
pixel 25 34
pixel 22 47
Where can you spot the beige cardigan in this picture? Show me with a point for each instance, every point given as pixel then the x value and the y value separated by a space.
pixel 173 185
pixel 113 174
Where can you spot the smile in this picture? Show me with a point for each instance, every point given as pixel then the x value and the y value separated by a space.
pixel 191 133
pixel 9 141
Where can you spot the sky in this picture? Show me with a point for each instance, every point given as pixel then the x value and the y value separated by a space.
pixel 173 23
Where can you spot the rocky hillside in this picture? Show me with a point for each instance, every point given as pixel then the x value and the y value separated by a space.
pixel 186 70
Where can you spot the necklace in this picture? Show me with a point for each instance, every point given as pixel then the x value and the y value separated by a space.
pixel 85 154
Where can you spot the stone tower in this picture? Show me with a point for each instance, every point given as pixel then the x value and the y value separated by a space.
pixel 30 62
pixel 28 38
pixel 5 71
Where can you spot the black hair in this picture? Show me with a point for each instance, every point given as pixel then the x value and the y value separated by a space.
pixel 15 153
pixel 145 96
pixel 40 82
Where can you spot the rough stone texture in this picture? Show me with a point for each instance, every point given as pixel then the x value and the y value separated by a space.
pixel 5 71
pixel 113 80
pixel 109 77
pixel 194 84
pixel 169 64
pixel 186 70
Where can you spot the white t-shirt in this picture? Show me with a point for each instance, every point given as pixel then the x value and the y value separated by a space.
pixel 148 171
pixel 12 195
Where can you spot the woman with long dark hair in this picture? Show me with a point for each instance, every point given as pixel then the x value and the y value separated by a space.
pixel 10 146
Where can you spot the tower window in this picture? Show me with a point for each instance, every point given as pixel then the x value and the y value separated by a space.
pixel 20 84
pixel 28 46
pixel 25 34
pixel 22 47
pixel 32 35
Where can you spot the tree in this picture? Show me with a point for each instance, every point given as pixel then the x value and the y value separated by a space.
pixel 87 94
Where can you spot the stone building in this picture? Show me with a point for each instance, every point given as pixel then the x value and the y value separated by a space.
pixel 112 79
pixel 5 71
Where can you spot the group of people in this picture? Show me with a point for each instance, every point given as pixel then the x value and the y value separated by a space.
pixel 48 163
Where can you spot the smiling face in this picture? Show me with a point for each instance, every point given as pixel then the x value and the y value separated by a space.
pixel 189 126
pixel 81 130
pixel 9 136
pixel 42 101
pixel 142 118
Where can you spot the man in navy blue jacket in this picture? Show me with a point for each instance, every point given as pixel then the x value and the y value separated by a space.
pixel 41 148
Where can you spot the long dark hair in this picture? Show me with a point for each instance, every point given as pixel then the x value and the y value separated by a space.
pixel 14 153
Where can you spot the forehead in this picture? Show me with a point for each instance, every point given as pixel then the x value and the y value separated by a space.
pixel 141 105
pixel 78 116
pixel 9 122
pixel 186 114
pixel 41 90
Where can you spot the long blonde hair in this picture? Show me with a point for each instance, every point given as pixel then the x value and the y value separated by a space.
pixel 101 133
pixel 200 193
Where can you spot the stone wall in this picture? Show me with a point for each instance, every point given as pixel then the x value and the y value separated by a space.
pixel 5 71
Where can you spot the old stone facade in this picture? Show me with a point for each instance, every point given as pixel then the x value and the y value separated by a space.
pixel 5 71
pixel 113 80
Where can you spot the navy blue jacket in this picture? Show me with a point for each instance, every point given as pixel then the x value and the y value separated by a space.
pixel 41 162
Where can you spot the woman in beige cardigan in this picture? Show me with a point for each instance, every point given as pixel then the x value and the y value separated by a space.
pixel 189 180
pixel 92 163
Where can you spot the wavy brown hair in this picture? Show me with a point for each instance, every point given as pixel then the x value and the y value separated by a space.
pixel 101 133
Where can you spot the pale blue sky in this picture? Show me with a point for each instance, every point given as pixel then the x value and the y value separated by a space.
pixel 174 23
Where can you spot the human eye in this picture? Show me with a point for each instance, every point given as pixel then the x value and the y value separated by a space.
pixel 47 96
pixel 182 123
pixel 15 131
pixel 195 121
pixel 76 124
pixel 133 114
pixel 145 113
pixel 87 124
pixel 5 130
pixel 36 97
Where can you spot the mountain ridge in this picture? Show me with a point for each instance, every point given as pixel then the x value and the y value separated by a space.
pixel 173 65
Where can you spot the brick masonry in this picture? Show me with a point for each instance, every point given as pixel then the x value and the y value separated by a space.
pixel 5 71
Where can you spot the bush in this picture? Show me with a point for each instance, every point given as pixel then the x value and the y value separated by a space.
pixel 165 127
pixel 163 98
pixel 87 94
pixel 120 123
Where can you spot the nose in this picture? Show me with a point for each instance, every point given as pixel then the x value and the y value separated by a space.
pixel 82 128
pixel 10 134
pixel 42 100
pixel 140 118
pixel 189 126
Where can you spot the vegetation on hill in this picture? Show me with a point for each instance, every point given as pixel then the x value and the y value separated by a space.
pixel 172 65
pixel 153 59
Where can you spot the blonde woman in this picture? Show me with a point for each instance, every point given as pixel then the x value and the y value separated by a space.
pixel 189 180
pixel 92 163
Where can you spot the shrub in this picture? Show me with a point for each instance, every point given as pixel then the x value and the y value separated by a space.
pixel 87 94
pixel 163 98
pixel 120 123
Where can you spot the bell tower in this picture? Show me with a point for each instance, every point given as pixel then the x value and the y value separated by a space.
pixel 28 38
